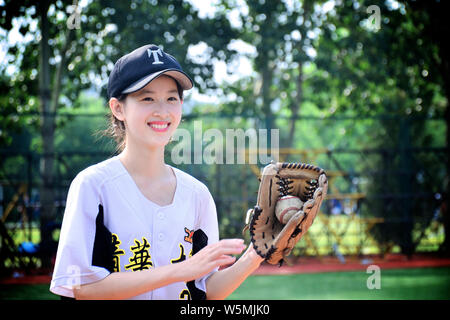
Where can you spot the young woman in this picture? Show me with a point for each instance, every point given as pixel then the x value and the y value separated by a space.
pixel 135 227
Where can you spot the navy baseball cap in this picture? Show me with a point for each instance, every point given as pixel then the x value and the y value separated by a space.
pixel 136 69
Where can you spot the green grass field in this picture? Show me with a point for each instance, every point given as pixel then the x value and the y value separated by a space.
pixel 401 284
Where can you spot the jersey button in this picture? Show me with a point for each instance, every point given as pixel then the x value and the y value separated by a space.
pixel 161 216
pixel 161 237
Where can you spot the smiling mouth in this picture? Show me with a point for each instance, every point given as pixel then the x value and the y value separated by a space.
pixel 159 126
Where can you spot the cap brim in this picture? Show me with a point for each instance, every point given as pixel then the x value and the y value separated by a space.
pixel 184 81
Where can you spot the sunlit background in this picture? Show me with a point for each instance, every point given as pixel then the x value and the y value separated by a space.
pixel 359 88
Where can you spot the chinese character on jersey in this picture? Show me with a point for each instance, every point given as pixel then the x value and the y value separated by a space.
pixel 141 256
pixel 117 252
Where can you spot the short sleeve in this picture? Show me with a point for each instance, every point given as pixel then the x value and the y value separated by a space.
pixel 207 218
pixel 206 233
pixel 73 265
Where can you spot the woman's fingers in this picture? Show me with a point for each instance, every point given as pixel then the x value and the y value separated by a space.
pixel 213 256
pixel 227 246
pixel 230 243
pixel 224 261
pixel 221 252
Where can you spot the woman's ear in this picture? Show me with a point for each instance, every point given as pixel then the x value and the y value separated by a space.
pixel 117 108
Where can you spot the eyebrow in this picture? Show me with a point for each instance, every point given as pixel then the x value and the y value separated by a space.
pixel 153 92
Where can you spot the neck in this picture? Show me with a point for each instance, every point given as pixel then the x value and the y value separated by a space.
pixel 147 163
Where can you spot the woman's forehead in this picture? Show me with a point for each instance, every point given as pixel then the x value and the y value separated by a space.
pixel 162 84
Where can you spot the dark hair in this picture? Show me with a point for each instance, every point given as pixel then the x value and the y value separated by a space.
pixel 116 128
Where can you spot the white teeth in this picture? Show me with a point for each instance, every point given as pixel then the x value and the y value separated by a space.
pixel 159 126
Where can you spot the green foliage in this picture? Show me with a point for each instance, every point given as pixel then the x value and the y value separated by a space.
pixel 173 25
pixel 324 78
pixel 108 29
pixel 389 72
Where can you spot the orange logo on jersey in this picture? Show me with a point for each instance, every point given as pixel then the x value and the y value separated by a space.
pixel 189 235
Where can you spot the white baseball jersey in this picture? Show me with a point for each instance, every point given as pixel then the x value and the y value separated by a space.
pixel 110 226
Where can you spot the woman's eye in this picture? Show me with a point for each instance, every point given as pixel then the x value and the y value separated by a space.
pixel 173 99
pixel 147 99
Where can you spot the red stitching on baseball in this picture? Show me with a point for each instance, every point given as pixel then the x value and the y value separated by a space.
pixel 285 211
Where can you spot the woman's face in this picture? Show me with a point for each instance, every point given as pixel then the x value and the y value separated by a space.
pixel 152 114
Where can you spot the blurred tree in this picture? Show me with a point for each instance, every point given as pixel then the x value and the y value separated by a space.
pixel 387 69
pixel 49 50
pixel 174 25
pixel 431 18
pixel 72 48
pixel 282 33
pixel 306 54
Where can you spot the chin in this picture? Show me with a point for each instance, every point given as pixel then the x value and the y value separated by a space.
pixel 156 144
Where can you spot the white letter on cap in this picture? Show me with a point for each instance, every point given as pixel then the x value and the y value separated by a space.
pixel 155 53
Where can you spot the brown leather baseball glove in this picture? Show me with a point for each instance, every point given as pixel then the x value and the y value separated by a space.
pixel 273 236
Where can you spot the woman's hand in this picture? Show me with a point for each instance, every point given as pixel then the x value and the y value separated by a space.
pixel 221 284
pixel 253 255
pixel 211 257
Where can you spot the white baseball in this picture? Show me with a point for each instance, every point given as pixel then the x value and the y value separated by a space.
pixel 286 207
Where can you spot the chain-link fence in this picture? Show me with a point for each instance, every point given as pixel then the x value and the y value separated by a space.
pixel 386 177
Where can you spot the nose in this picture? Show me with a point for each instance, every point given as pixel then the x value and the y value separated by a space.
pixel 161 109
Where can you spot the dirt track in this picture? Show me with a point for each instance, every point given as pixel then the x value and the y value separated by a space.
pixel 333 264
